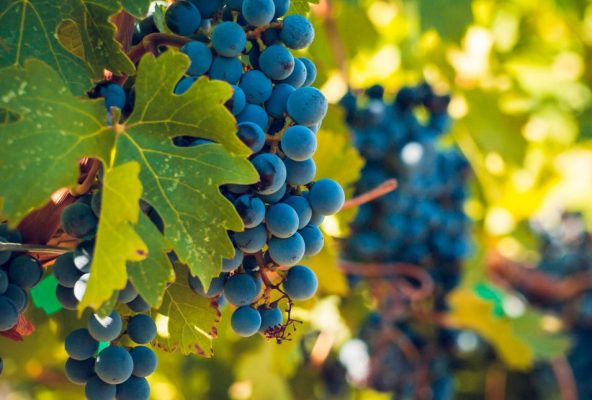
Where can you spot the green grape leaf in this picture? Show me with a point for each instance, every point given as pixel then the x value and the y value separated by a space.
pixel 137 8
pixel 151 276
pixel 58 32
pixel 182 184
pixel 449 18
pixel 301 6
pixel 187 322
pixel 117 241
pixel 39 151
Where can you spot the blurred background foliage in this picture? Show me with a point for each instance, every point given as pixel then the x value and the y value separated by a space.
pixel 520 81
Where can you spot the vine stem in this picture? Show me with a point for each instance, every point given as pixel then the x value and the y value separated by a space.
pixel 256 33
pixel 88 181
pixel 33 248
pixel 565 379
pixel 379 191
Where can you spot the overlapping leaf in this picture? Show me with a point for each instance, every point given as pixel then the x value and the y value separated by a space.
pixel 301 6
pixel 138 8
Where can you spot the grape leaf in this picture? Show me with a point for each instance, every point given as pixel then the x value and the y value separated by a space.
pixel 191 320
pixel 39 152
pixel 137 8
pixel 117 241
pixel 151 276
pixel 326 266
pixel 450 19
pixel 32 29
pixel 181 183
pixel 301 6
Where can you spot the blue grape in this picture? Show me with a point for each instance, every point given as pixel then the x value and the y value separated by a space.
pixel 281 220
pixel 215 289
pixel 252 135
pixel 79 220
pixel 184 84
pixel 277 103
pixel 307 106
pixel 114 365
pixel 235 5
pixel 83 255
pixel 127 294
pixel 270 318
pixel 66 298
pixel 12 235
pixel 134 389
pixel 301 283
pixel 302 207
pixel 207 8
pixel 114 96
pixel 254 113
pixel 313 240
pixel 25 271
pixel 251 210
pixel 258 12
pixel 287 251
pixel 276 62
pixel 96 389
pixel 257 87
pixel 183 18
pixel 299 143
pixel 251 240
pixel 138 304
pixel 80 371
pixel 141 329
pixel 326 197
pixel 3 281
pixel 65 271
pixel 18 297
pixel 238 101
pixel 8 314
pixel 275 196
pixel 143 29
pixel 311 71
pixel 240 289
pixel 80 287
pixel 4 255
pixel 145 361
pixel 229 39
pixel 80 345
pixel 281 7
pixel 105 329
pixel 226 69
pixel 297 32
pixel 272 173
pixel 231 264
pixel 200 56
pixel 298 75
pixel 300 172
pixel 245 321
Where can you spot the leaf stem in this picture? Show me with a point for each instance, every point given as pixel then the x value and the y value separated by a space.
pixel 33 248
pixel 379 191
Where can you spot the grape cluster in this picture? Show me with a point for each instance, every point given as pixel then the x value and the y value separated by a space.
pixel 112 371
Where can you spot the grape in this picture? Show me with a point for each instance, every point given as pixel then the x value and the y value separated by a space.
pixel 12 235
pixel 65 271
pixel 326 197
pixel 66 297
pixel 3 281
pixel 272 173
pixel 18 297
pixel 287 251
pixel 276 62
pixel 200 56
pixel 301 283
pixel 184 84
pixel 79 220
pixel 299 143
pixel 281 7
pixel 240 289
pixel 252 135
pixel 257 87
pixel 276 106
pixel 298 75
pixel 127 294
pixel 83 255
pixel 80 345
pixel 141 329
pixel 245 321
pixel 270 318
pixel 215 288
pixel 80 286
pixel 134 388
pixel 229 39
pixel 255 114
pixel 183 18
pixel 302 207
pixel 307 106
pixel 251 210
pixel 4 255
pixel 235 5
pixel 114 365
pixel 231 264
pixel 297 32
pixel 144 28
pixel 80 371
pixel 145 361
pixel 95 203
pixel 96 389
pixel 138 304
pixel 226 69
pixel 238 101
pixel 258 12
pixel 114 96
pixel 25 271
pixel 313 240
pixel 281 220
pixel 300 172
pixel 311 71
pixel 207 8
pixel 8 314
pixel 105 329
pixel 251 240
